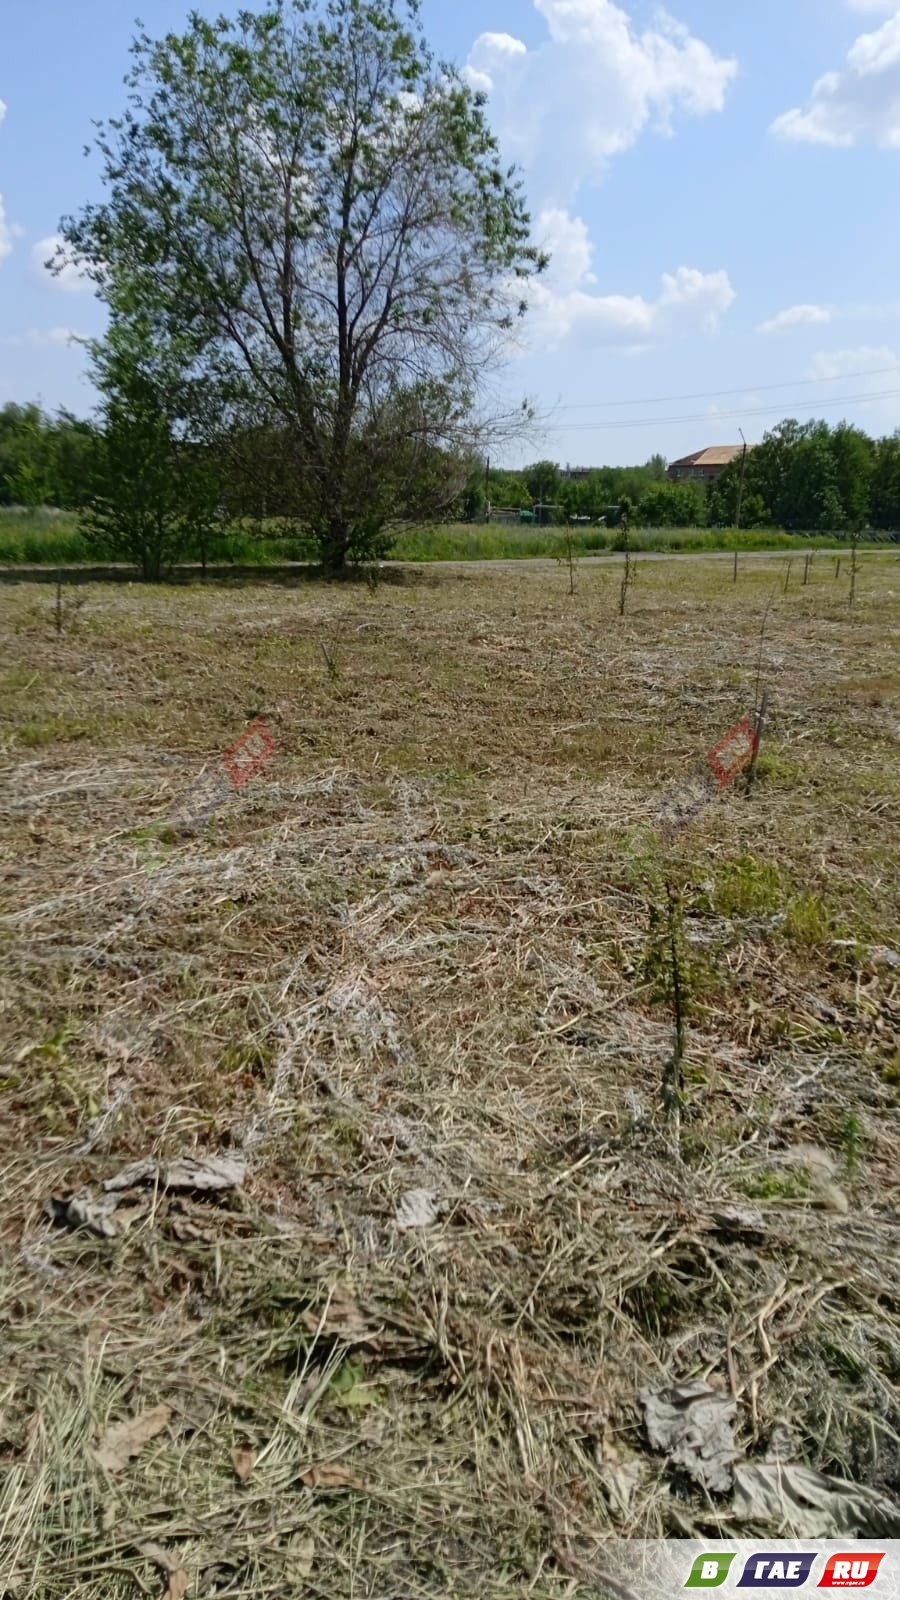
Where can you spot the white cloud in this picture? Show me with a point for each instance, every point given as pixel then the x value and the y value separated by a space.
pixel 567 242
pixel 495 51
pixel 71 279
pixel 796 317
pixel 46 338
pixel 872 5
pixel 830 365
pixel 880 413
pixel 562 110
pixel 858 105
pixel 564 303
pixel 810 315
pixel 590 90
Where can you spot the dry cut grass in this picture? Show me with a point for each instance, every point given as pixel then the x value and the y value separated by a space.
pixel 415 970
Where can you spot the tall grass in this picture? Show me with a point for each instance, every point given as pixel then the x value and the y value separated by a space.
pixel 458 542
pixel 50 538
pixel 35 538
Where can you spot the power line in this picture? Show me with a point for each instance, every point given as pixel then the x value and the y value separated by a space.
pixel 720 416
pixel 715 394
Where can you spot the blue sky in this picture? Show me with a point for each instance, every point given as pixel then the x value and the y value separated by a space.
pixel 719 186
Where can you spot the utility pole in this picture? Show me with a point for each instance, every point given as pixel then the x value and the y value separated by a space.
pixel 487 488
pixel 740 503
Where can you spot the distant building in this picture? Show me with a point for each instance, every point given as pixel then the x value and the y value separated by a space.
pixel 704 466
pixel 576 474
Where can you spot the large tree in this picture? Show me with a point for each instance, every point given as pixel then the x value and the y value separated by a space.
pixel 794 471
pixel 323 207
pixel 885 502
pixel 853 454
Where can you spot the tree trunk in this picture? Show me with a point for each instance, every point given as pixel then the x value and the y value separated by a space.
pixel 334 545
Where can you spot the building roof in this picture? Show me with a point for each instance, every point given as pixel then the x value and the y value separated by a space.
pixel 720 455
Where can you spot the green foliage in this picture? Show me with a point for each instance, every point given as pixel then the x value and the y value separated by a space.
pixel 885 483
pixel 323 208
pixel 155 491
pixel 508 490
pixel 852 1142
pixel 542 480
pixel 748 887
pixel 853 454
pixel 43 460
pixel 768 1184
pixel 47 537
pixel 807 922
pixel 814 477
pixel 27 485
pixel 672 505
pixel 349 1388
pixel 722 500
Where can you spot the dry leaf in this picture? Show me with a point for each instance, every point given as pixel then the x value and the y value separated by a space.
pixel 186 1231
pixel 327 1475
pixel 127 1439
pixel 620 1483
pixel 84 1211
pixel 298 1561
pixel 208 1175
pixel 805 1503
pixel 159 1556
pixel 179 1583
pixel 243 1459
pixel 694 1426
pixel 340 1319
pixel 418 1208
pixel 137 1172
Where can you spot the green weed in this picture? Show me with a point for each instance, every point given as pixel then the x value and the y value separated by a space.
pixel 768 1184
pixel 349 1389
pixel 852 1142
pixel 748 887
pixel 777 770
pixel 808 923
pixel 52 730
pixel 890 1072
pixel 247 1058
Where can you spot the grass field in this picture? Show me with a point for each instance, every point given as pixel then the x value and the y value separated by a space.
pixel 415 974
pixel 51 538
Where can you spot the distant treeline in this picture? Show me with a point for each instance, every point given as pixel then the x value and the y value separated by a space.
pixel 45 461
pixel 804 476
